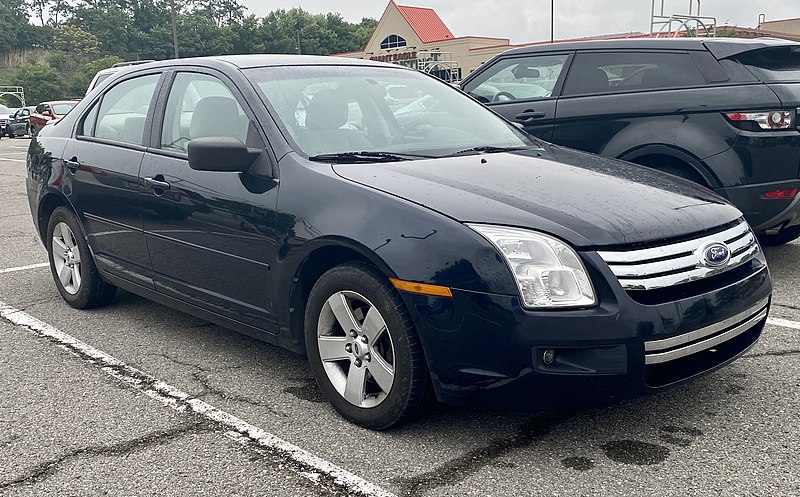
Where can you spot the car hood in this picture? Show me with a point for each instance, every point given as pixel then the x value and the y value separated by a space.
pixel 582 198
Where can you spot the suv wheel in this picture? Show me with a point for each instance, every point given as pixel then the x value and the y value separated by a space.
pixel 363 348
pixel 71 263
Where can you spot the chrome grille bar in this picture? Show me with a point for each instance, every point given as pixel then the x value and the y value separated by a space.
pixel 677 263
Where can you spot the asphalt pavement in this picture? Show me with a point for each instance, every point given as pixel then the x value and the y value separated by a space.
pixel 137 399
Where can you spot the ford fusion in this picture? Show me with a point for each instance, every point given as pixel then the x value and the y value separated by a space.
pixel 413 244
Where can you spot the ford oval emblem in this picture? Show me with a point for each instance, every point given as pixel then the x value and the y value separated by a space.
pixel 714 254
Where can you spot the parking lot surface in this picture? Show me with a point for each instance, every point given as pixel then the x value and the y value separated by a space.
pixel 190 408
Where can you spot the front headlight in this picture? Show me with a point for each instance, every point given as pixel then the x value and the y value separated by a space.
pixel 548 272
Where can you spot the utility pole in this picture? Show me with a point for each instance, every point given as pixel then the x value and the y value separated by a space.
pixel 552 19
pixel 174 27
pixel 297 29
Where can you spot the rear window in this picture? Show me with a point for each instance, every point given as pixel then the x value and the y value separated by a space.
pixel 775 64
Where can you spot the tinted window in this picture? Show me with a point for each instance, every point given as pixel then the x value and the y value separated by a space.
pixel 607 72
pixel 87 126
pixel 773 64
pixel 62 109
pixel 200 106
pixel 519 78
pixel 123 110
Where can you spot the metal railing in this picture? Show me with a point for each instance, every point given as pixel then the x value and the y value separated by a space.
pixel 16 91
pixel 677 25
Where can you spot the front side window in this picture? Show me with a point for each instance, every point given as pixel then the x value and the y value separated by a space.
pixel 393 41
pixel 339 109
pixel 609 72
pixel 63 109
pixel 122 112
pixel 518 78
pixel 201 106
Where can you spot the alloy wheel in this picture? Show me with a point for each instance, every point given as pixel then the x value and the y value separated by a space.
pixel 67 258
pixel 356 349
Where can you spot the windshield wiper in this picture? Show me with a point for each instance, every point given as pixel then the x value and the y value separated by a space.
pixel 367 156
pixel 487 149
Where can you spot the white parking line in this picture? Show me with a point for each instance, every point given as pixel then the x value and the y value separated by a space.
pixel 308 465
pixel 784 322
pixel 23 268
pixel 10 159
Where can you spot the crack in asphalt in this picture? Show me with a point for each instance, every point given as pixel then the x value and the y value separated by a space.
pixel 776 353
pixel 469 463
pixel 50 467
pixel 787 306
pixel 200 376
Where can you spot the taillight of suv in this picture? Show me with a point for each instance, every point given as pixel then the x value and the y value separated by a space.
pixel 757 121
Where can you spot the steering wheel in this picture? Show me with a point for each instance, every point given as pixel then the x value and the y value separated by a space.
pixel 503 96
pixel 408 128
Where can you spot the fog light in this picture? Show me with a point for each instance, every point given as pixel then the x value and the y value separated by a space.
pixel 549 356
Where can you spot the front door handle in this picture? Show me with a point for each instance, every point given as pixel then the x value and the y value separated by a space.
pixel 157 183
pixel 72 164
pixel 529 114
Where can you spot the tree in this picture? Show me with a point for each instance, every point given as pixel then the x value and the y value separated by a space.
pixel 78 43
pixel 41 83
pixel 83 76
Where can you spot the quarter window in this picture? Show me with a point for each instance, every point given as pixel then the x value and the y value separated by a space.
pixel 200 106
pixel 393 41
pixel 123 110
pixel 519 78
pixel 608 72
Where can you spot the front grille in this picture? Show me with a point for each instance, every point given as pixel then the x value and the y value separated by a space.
pixel 678 263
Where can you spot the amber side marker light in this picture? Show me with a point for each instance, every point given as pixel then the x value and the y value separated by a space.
pixel 421 288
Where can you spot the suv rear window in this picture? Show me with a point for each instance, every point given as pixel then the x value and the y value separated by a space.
pixel 775 64
pixel 607 72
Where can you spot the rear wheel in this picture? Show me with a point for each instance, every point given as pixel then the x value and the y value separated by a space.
pixel 71 263
pixel 363 348
pixel 785 235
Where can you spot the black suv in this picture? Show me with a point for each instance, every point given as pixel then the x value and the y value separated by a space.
pixel 720 112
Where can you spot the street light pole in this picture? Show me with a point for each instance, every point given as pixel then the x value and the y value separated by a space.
pixel 174 27
pixel 552 20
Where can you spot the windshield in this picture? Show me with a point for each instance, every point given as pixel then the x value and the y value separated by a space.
pixel 774 64
pixel 5 110
pixel 62 109
pixel 338 109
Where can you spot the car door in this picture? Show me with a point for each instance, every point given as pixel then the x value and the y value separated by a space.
pixel 19 125
pixel 103 160
pixel 523 89
pixel 210 234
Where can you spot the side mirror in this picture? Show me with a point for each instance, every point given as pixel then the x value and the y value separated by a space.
pixel 221 154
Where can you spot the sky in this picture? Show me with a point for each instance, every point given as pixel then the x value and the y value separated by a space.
pixel 529 20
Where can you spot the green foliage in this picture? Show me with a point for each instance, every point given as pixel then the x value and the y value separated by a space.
pixel 40 82
pixel 727 33
pixel 86 36
pixel 75 41
pixel 83 76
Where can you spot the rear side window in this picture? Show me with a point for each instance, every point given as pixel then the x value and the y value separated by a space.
pixel 123 110
pixel 609 72
pixel 775 64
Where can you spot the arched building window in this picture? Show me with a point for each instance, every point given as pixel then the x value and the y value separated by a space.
pixel 392 41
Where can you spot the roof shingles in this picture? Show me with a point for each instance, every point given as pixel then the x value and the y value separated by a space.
pixel 426 23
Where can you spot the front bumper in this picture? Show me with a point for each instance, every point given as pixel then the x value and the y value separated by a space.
pixel 485 349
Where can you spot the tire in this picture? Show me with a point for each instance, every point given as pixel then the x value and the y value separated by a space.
pixel 79 284
pixel 11 133
pixel 784 236
pixel 374 375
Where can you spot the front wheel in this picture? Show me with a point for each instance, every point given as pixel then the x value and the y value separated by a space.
pixel 71 263
pixel 363 348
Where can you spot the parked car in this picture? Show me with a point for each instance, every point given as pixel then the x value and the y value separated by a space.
pixel 104 74
pixel 455 256
pixel 720 112
pixel 5 114
pixel 48 112
pixel 18 124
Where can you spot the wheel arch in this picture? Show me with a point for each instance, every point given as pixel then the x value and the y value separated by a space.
pixel 649 155
pixel 47 204
pixel 324 255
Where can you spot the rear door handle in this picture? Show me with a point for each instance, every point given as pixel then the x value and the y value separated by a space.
pixel 157 183
pixel 73 164
pixel 530 114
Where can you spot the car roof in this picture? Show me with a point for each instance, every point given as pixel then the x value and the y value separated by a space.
pixel 248 61
pixel 720 47
pixel 53 102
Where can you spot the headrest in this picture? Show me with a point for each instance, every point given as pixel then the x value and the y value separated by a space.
pixel 327 110
pixel 215 116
